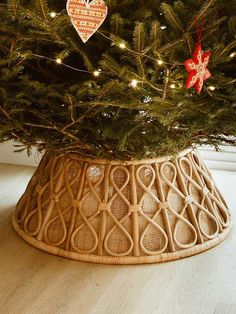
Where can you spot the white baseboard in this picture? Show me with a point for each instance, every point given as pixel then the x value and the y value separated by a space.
pixel 223 160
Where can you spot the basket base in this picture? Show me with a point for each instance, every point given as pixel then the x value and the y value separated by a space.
pixel 113 212
pixel 130 260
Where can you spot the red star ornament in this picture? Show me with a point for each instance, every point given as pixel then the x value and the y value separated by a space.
pixel 197 68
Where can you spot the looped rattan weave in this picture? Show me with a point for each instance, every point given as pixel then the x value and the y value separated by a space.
pixel 122 212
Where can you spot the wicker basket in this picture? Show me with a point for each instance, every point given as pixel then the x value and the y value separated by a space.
pixel 122 212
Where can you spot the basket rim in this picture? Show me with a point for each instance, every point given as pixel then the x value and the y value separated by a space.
pixel 117 162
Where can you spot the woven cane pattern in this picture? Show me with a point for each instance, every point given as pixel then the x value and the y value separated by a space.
pixel 122 210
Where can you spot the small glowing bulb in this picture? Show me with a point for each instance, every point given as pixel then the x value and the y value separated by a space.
pixel 97 73
pixel 134 83
pixel 122 45
pixel 233 54
pixel 212 88
pixel 172 86
pixel 53 14
pixel 58 60
pixel 160 62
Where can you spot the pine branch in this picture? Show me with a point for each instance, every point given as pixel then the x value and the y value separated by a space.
pixel 155 35
pixel 13 4
pixel 117 23
pixel 172 17
pixel 228 47
pixel 42 6
pixel 139 37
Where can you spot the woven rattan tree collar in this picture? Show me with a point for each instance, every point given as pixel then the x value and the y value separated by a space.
pixel 122 212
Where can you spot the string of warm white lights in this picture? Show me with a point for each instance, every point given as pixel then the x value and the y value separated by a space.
pixel 122 46
pixel 96 73
pixel 59 61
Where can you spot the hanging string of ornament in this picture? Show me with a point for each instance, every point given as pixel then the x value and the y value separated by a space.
pixel 197 66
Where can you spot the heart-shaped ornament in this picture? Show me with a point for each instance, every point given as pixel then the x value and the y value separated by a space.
pixel 86 16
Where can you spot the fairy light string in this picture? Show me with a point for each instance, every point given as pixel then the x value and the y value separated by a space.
pixel 123 47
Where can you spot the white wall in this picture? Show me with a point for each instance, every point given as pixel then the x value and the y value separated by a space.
pixel 7 155
pixel 224 160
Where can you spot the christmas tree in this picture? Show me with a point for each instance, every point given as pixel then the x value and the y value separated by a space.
pixel 121 94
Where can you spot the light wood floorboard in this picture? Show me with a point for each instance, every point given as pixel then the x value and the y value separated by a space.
pixel 32 281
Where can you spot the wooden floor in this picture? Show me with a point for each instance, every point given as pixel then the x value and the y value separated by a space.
pixel 32 281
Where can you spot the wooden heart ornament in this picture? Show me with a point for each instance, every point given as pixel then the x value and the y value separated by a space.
pixel 86 16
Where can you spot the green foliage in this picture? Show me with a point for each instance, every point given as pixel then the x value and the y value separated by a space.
pixel 65 108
